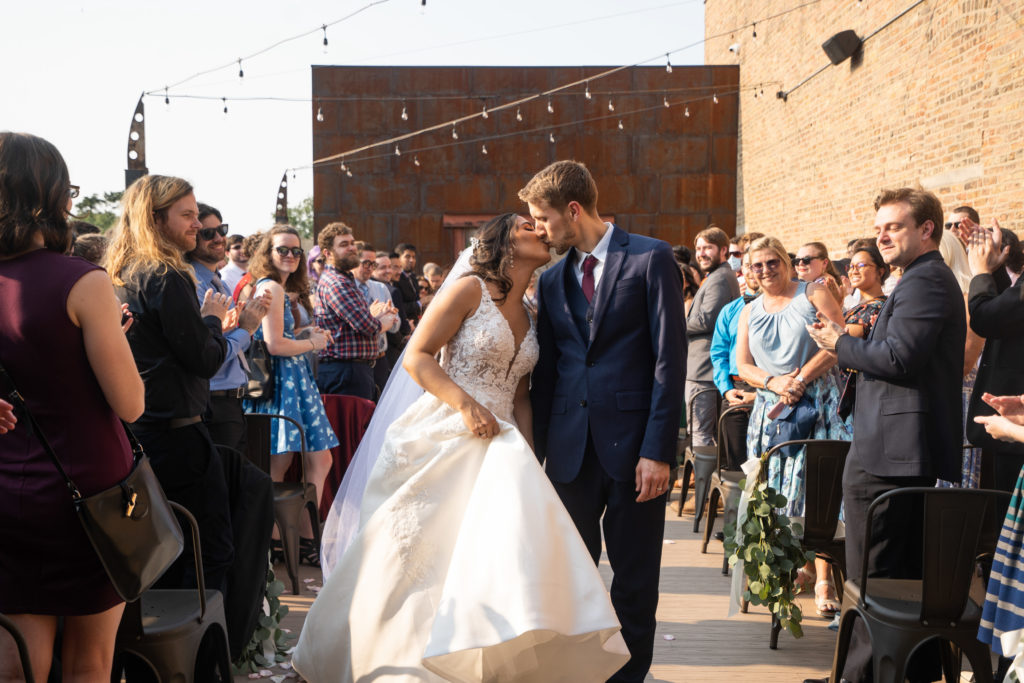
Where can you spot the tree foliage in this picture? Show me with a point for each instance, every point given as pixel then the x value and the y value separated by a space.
pixel 300 217
pixel 102 210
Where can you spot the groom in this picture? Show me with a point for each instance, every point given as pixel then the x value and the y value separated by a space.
pixel 608 388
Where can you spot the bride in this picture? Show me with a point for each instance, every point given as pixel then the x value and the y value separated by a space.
pixel 456 560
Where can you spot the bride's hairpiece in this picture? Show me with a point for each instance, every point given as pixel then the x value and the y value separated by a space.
pixel 474 242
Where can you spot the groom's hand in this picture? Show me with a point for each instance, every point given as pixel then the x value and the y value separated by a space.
pixel 651 479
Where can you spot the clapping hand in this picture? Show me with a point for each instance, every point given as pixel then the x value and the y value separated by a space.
pixel 252 312
pixel 7 418
pixel 1010 407
pixel 126 319
pixel 215 304
pixel 985 250
pixel 825 333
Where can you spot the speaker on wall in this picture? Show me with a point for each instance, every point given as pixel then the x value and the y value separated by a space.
pixel 841 45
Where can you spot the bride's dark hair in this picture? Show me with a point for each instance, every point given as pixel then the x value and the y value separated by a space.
pixel 491 257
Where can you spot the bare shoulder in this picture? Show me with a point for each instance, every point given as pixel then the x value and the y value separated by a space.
pixel 462 294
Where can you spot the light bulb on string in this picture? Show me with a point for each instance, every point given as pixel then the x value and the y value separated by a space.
pixel 342 166
pixel 611 105
pixel 324 27
pixel 668 64
pixel 225 101
pixel 621 127
pixel 455 133
pixel 519 114
pixel 167 98
pixel 714 98
pixel 483 149
pixel 405 114
pixel 398 152
pixel 293 175
pixel 686 112
pixel 551 108
pixel 551 137
pixel 484 112
pixel 319 113
pixel 664 100
pixel 416 161
pixel 586 91
pixel 348 172
pixel 755 29
pixel 241 73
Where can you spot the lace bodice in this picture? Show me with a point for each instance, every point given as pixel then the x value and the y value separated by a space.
pixel 482 358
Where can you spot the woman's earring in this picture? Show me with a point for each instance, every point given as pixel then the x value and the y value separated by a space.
pixel 511 258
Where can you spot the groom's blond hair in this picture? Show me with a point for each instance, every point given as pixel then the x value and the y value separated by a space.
pixel 560 183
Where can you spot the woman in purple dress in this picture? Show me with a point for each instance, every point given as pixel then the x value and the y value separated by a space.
pixel 62 344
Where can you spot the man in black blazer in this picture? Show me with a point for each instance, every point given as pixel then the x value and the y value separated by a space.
pixel 997 314
pixel 407 285
pixel 908 414
pixel 608 388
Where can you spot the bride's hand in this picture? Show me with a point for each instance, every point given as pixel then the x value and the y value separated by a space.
pixel 480 421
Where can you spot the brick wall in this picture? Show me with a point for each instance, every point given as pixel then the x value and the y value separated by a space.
pixel 663 174
pixel 935 99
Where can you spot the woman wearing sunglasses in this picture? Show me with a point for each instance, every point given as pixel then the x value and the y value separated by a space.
pixel 775 353
pixel 278 267
pixel 813 265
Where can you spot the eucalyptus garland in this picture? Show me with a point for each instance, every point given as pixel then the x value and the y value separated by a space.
pixel 769 547
pixel 269 643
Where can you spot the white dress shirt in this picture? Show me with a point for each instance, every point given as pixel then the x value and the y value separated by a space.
pixel 600 253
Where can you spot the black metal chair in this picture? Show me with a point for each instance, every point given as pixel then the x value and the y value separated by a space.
pixel 700 461
pixel 164 629
pixel 291 498
pixel 725 485
pixel 900 614
pixel 19 642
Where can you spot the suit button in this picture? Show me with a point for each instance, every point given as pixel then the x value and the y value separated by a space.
pixel 583 403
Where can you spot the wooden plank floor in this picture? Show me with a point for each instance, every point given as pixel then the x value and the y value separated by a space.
pixel 708 645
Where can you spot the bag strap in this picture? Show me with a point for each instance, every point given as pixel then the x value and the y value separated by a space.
pixel 17 399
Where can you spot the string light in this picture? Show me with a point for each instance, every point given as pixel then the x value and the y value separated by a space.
pixel 225 101
pixel 519 114
pixel 686 112
pixel 484 112
pixel 586 91
pixel 668 64
pixel 324 27
pixel 342 166
pixel 551 137
pixel 714 98
pixel 551 108
pixel 398 152
pixel 416 161
pixel 167 98
pixel 320 114
pixel 483 149
pixel 241 73
pixel 455 133
pixel 611 106
pixel 405 114
pixel 621 127
pixel 664 100
pixel 755 29
pixel 293 175
pixel 348 172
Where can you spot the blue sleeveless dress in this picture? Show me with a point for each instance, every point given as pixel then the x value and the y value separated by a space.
pixel 295 395
pixel 779 343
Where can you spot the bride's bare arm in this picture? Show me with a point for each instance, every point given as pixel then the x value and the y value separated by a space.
pixel 522 410
pixel 440 321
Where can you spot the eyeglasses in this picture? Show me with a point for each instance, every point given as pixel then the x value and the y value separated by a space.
pixel 369 263
pixel 235 246
pixel 211 233
pixel 805 260
pixel 73 190
pixel 285 251
pixel 737 254
pixel 862 266
pixel 771 264
pixel 320 260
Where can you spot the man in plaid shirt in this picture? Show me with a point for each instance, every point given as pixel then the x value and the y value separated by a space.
pixel 346 365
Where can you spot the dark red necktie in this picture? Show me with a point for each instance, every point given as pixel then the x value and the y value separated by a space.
pixel 588 277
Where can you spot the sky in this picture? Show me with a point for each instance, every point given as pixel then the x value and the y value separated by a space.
pixel 73 73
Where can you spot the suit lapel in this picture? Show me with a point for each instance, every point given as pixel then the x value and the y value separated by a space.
pixel 557 298
pixel 612 266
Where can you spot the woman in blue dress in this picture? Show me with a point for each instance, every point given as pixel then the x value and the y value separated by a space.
pixel 278 268
pixel 775 353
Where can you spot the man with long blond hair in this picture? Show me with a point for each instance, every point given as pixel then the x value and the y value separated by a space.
pixel 178 346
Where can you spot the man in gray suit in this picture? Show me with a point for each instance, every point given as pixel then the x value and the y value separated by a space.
pixel 720 286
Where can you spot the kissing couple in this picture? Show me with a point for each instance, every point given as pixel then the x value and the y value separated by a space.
pixel 464 541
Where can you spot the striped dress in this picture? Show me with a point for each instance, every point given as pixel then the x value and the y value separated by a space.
pixel 1004 600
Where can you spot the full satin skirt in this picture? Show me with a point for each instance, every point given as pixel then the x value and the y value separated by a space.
pixel 467 568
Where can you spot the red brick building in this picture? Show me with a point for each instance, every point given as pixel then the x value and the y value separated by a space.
pixel 663 173
pixel 936 98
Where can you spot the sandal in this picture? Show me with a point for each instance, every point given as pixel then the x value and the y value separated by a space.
pixel 804 580
pixel 276 551
pixel 309 553
pixel 824 603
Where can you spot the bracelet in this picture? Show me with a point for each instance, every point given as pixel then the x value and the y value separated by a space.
pixel 312 345
pixel 800 378
pixel 767 379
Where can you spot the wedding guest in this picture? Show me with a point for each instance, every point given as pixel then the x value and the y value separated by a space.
pixel 278 268
pixel 91 247
pixel 178 346
pixel 238 262
pixel 775 353
pixel 813 265
pixel 62 345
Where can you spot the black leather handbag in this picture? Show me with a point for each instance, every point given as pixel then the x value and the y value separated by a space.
pixel 260 370
pixel 131 526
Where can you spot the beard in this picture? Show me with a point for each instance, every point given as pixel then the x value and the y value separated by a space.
pixel 349 262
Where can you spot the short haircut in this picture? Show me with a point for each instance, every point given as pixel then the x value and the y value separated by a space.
pixel 404 247
pixel 91 247
pixel 746 238
pixel 382 254
pixel 325 240
pixel 393 254
pixel 971 213
pixel 362 246
pixel 432 269
pixel 235 239
pixel 924 206
pixel 79 227
pixel 560 183
pixel 714 235
pixel 206 210
pixel 682 254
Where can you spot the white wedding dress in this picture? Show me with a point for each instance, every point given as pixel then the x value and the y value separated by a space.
pixel 466 567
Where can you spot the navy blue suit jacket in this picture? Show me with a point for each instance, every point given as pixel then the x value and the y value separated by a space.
pixel 625 383
pixel 908 418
